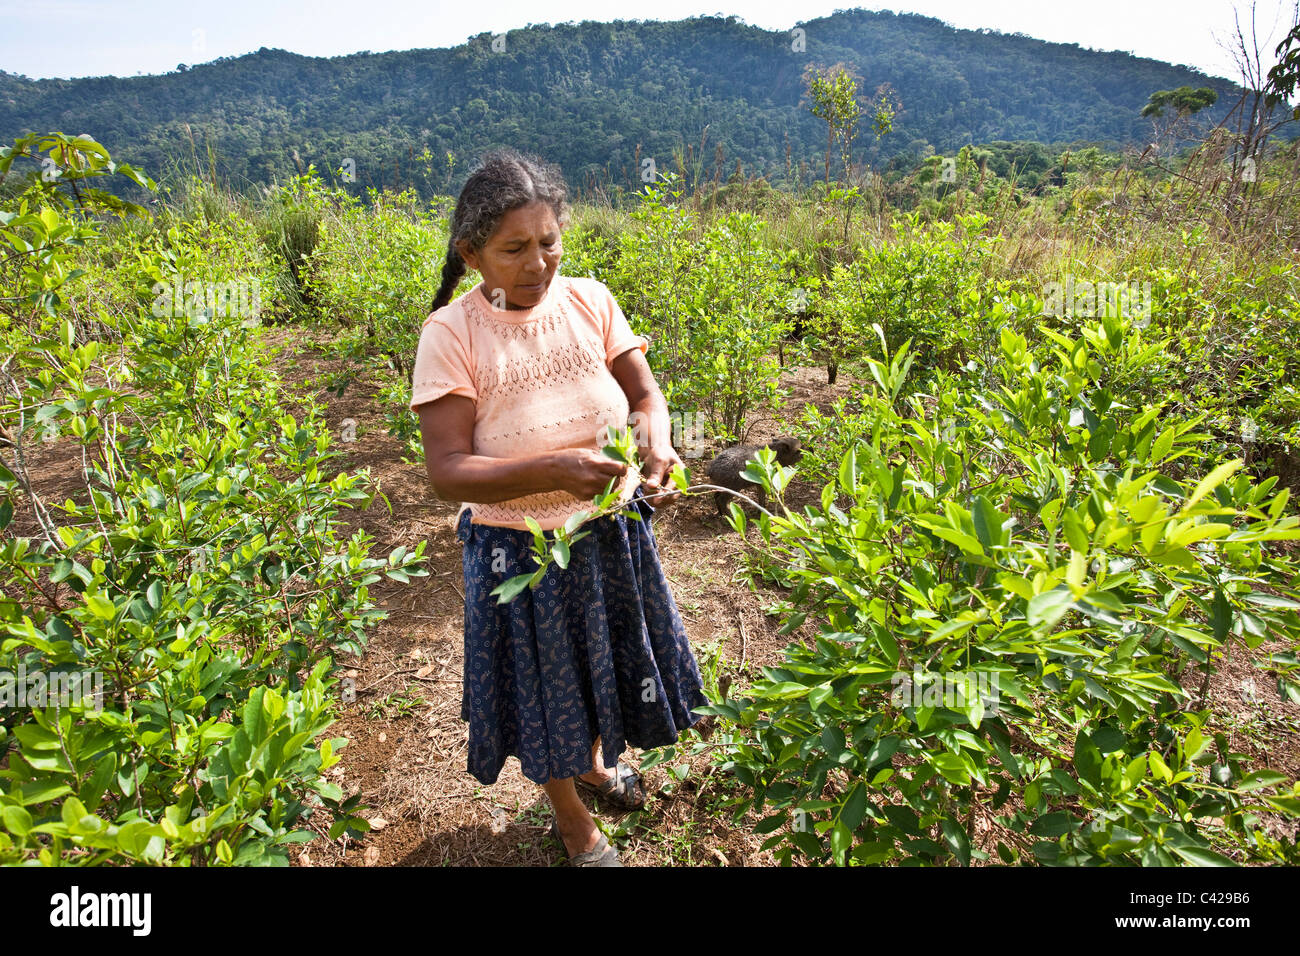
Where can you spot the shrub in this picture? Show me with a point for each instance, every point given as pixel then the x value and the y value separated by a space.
pixel 1020 611
pixel 187 604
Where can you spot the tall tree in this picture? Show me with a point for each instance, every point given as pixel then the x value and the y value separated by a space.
pixel 834 94
pixel 1184 101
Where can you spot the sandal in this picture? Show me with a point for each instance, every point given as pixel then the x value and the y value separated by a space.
pixel 623 790
pixel 602 854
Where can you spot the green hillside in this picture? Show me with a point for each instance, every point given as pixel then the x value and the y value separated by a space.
pixel 600 98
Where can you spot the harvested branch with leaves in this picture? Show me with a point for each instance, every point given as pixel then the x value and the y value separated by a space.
pixel 622 447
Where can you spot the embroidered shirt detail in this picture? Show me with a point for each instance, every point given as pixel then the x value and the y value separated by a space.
pixel 541 380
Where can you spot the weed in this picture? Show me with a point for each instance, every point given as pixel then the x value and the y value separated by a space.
pixel 395 706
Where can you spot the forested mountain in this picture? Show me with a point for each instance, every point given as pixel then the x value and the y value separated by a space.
pixel 588 95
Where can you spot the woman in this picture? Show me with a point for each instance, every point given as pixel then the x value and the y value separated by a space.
pixel 514 382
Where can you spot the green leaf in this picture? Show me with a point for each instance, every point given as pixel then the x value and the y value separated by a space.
pixel 887 644
pixel 793 622
pixel 510 588
pixel 1210 482
pixel 1198 856
pixel 72 810
pixel 855 806
pixel 882 750
pixel 956 839
pixel 1052 824
pixel 101 606
pixel 1271 600
pixel 848 474
pixel 974 706
pixel 988 522
pixel 35 737
pixel 1162 446
pixel 841 839
pixel 737 518
pixel 1221 615
pixel 34 793
pixel 952 767
pixel 1049 607
pixel 1261 778
pixel 1287 805
pixel 1159 768
pixel 1087 759
pixel 17 820
pixel 1076 570
pixel 1075 533
pixel 960 538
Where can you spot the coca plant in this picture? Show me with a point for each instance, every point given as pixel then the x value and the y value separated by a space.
pixel 197 578
pixel 713 300
pixel 1021 607
pixel 202 576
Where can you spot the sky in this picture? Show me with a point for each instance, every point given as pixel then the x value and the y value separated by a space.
pixel 74 38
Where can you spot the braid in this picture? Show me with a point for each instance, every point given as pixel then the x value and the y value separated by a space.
pixel 453 270
pixel 505 180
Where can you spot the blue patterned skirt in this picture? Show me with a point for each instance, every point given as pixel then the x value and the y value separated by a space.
pixel 596 649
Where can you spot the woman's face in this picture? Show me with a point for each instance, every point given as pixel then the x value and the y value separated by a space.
pixel 520 260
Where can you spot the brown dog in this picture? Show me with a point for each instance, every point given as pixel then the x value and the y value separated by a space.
pixel 725 470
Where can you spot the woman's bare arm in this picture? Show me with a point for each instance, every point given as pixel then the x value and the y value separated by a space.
pixel 457 474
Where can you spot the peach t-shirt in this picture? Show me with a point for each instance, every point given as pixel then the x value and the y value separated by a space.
pixel 540 380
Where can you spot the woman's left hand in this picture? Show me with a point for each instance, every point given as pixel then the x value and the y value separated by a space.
pixel 657 464
pixel 652 428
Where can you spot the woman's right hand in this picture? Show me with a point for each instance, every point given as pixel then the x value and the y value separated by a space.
pixel 584 472
pixel 457 474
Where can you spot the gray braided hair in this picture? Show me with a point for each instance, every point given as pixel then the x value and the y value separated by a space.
pixel 505 180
